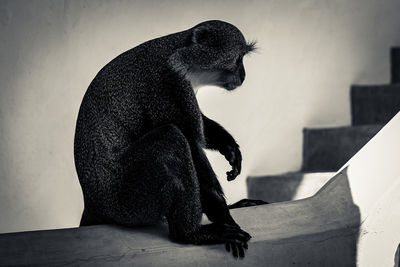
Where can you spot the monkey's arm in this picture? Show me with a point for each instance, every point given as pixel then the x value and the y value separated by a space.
pixel 213 203
pixel 218 138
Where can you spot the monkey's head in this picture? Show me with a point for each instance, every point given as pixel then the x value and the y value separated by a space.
pixel 213 55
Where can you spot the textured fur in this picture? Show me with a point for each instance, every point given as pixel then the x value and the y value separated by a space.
pixel 140 136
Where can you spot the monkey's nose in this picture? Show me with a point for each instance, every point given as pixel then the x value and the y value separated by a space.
pixel 242 74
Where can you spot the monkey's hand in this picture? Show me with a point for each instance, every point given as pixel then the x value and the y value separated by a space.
pixel 234 157
pixel 234 238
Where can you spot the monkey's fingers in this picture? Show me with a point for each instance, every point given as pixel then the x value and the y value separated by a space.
pixel 258 202
pixel 234 250
pixel 233 156
pixel 231 227
pixel 237 248
pixel 228 247
pixel 247 203
pixel 241 238
pixel 241 250
pixel 238 160
pixel 231 175
pixel 237 234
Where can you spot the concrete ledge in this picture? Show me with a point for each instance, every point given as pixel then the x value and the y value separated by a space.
pixel 319 231
pixel 312 231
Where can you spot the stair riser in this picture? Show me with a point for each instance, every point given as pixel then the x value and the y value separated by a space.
pixel 329 149
pixel 374 104
pixel 395 64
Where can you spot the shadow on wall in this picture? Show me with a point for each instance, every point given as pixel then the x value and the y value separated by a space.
pixel 328 226
pixel 350 215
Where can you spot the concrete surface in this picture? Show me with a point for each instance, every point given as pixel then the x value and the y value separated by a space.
pixel 374 104
pixel 286 187
pixel 322 230
pixel 316 232
pixel 328 149
pixel 395 64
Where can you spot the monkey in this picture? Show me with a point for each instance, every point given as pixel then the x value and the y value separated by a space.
pixel 140 137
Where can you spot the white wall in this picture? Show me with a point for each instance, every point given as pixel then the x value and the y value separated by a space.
pixel 310 52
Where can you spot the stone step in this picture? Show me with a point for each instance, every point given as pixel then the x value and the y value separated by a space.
pixel 327 149
pixel 375 104
pixel 323 230
pixel 395 64
pixel 286 187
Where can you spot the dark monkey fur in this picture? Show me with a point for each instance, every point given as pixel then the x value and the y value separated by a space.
pixel 140 136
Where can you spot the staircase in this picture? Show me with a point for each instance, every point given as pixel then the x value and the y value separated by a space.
pixel 325 150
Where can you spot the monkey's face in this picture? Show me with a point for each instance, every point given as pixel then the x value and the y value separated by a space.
pixel 229 77
pixel 215 56
pixel 233 75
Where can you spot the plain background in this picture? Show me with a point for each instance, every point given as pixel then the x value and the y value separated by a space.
pixel 310 52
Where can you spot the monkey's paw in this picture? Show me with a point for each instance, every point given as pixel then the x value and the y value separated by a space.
pixel 234 157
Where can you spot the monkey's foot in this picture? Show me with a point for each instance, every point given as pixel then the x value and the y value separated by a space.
pixel 234 238
pixel 247 203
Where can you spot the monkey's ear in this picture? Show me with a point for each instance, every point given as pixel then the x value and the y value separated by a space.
pixel 201 35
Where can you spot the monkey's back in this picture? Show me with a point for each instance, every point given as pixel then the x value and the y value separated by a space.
pixel 133 94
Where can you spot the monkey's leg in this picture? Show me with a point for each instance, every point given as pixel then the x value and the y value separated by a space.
pixel 162 181
pixel 90 218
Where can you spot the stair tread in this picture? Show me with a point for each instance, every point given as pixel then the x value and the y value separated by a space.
pixel 349 128
pixel 384 87
pixel 395 64
pixel 290 174
pixel 287 186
